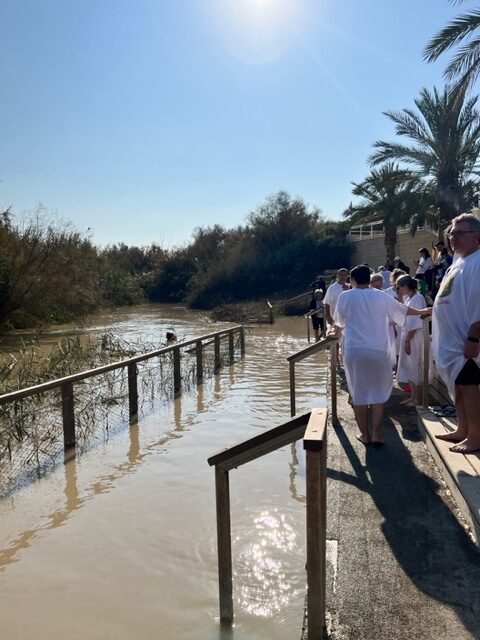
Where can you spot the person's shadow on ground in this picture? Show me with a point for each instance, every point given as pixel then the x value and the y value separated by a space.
pixel 424 535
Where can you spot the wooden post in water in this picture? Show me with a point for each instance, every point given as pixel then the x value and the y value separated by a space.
pixel 224 545
pixel 271 317
pixel 316 462
pixel 177 376
pixel 333 380
pixel 242 341
pixel 68 415
pixel 231 347
pixel 217 352
pixel 199 356
pixel 292 389
pixel 426 362
pixel 132 390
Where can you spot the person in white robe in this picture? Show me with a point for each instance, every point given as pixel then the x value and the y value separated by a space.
pixel 410 360
pixel 456 332
pixel 362 315
pixel 332 294
pixel 393 329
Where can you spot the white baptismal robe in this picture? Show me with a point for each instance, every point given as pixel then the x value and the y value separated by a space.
pixel 456 308
pixel 365 315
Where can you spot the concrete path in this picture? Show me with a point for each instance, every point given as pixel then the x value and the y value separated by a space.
pixel 405 567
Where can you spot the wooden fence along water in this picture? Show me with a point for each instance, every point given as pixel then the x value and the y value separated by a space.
pixel 66 386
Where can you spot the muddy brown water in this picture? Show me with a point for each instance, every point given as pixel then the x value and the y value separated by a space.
pixel 121 543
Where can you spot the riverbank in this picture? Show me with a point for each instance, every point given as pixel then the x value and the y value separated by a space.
pixel 401 564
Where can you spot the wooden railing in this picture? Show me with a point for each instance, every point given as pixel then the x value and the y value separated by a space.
pixel 321 345
pixel 66 385
pixel 312 427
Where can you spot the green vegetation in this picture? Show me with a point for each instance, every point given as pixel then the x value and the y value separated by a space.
pixel 50 273
pixel 442 149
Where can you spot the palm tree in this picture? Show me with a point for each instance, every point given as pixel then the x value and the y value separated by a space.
pixel 445 132
pixel 391 194
pixel 465 65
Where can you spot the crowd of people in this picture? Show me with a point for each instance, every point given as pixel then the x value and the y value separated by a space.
pixel 378 318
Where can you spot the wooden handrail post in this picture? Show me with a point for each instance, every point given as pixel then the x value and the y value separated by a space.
pixel 316 541
pixel 292 389
pixel 231 347
pixel 132 390
pixel 177 376
pixel 217 352
pixel 68 415
pixel 199 356
pixel 224 545
pixel 333 380
pixel 242 341
pixel 426 362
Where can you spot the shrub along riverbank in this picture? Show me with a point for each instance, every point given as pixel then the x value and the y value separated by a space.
pixel 50 273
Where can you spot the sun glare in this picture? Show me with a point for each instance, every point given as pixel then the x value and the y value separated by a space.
pixel 257 31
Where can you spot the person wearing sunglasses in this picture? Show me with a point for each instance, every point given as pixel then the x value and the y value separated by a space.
pixel 456 332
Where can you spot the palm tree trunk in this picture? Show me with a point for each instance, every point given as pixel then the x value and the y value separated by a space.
pixel 390 241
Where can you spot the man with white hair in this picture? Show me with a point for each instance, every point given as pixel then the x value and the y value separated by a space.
pixel 456 332
pixel 333 291
pixel 385 273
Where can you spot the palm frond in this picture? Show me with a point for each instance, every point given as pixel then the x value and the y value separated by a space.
pixel 452 34
pixel 467 57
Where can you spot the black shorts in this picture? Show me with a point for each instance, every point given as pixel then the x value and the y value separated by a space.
pixel 317 323
pixel 470 374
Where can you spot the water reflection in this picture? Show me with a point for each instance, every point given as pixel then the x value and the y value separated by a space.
pixel 260 572
pixel 147 520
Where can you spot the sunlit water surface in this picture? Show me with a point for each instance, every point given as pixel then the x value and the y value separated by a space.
pixel 121 543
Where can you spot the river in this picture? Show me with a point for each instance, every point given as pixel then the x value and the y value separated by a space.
pixel 121 543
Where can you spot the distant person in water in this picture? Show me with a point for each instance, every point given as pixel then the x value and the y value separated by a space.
pixel 171 336
pixel 316 312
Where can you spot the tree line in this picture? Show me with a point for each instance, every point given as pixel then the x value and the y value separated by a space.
pixel 51 273
pixel 430 172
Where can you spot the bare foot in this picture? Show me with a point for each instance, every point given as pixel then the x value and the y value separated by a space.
pixel 469 445
pixel 363 439
pixel 452 436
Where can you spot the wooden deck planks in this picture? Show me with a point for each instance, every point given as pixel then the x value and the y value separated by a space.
pixel 460 472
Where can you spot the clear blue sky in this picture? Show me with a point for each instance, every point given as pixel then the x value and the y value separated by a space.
pixel 143 119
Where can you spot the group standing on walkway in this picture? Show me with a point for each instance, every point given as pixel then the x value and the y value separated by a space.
pixel 376 322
